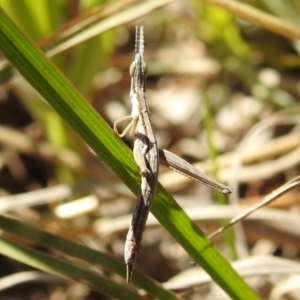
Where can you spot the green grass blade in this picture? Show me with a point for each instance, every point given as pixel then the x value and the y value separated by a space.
pixel 49 82
pixel 54 266
pixel 89 255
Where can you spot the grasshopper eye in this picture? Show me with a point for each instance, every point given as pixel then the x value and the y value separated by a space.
pixel 132 69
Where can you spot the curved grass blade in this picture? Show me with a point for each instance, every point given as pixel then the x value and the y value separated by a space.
pixel 71 37
pixel 89 255
pixel 54 266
